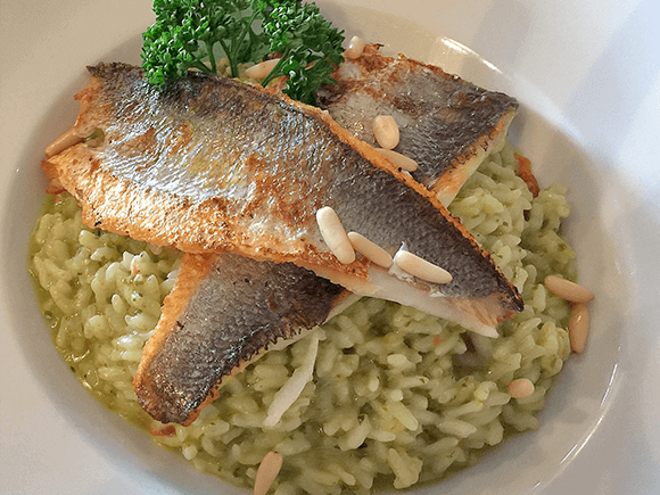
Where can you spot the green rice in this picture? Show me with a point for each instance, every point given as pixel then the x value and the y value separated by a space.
pixel 398 396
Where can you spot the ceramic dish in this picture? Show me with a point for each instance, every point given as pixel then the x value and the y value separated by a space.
pixel 587 75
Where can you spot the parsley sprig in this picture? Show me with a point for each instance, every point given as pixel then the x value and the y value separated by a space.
pixel 194 33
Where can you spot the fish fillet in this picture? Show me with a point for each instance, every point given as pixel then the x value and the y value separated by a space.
pixel 211 164
pixel 447 125
pixel 223 312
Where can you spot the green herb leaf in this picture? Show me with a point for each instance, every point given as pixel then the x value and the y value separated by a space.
pixel 192 34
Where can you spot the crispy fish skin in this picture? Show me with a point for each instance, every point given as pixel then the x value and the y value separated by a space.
pixel 446 125
pixel 210 164
pixel 224 311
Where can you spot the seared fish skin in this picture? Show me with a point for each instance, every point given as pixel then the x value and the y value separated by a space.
pixel 224 311
pixel 210 164
pixel 446 125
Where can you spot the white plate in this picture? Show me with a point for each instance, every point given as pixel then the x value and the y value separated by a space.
pixel 588 77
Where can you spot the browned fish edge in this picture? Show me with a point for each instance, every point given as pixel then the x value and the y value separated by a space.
pixel 186 285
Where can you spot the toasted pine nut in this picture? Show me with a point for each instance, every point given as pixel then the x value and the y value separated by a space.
pixel 262 69
pixel 267 472
pixel 420 268
pixel 163 431
pixel 334 235
pixel 355 48
pixel 135 269
pixel 370 250
pixel 570 291
pixel 69 138
pixel 398 160
pixel 578 327
pixel 521 388
pixel 386 131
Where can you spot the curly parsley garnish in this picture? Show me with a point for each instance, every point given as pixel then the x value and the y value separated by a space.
pixel 194 33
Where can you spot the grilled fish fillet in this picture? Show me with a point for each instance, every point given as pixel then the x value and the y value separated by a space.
pixel 210 164
pixel 224 311
pixel 447 125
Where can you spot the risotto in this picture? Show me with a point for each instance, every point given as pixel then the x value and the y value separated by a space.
pixel 398 397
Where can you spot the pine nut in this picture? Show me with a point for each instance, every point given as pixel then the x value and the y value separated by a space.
pixel 386 131
pixel 267 472
pixel 334 235
pixel 370 250
pixel 521 388
pixel 398 160
pixel 420 268
pixel 262 69
pixel 570 291
pixel 578 327
pixel 69 138
pixel 355 48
